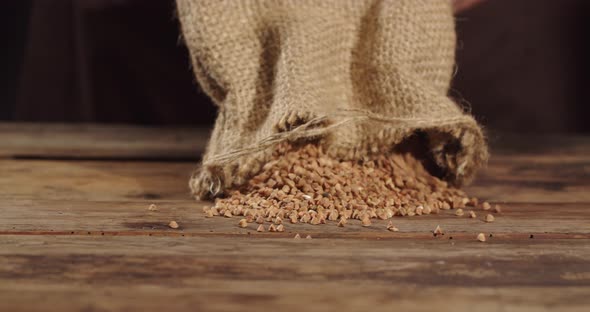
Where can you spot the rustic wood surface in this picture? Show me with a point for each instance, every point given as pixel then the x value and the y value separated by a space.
pixel 29 140
pixel 76 235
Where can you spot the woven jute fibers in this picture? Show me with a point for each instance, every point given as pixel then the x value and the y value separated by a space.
pixel 356 76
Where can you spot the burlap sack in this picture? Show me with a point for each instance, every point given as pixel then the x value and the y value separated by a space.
pixel 358 76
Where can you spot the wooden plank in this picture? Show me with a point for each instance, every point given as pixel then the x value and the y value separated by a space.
pixel 79 217
pixel 144 142
pixel 505 180
pixel 534 179
pixel 112 197
pixel 250 258
pixel 50 140
pixel 188 273
pixel 94 180
pixel 77 235
pixel 543 169
pixel 239 295
pixel 539 144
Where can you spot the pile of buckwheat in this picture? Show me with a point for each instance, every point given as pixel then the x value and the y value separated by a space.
pixel 304 185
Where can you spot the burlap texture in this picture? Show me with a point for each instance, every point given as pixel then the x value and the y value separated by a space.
pixel 359 76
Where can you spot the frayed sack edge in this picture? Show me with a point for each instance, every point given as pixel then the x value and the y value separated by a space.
pixel 457 146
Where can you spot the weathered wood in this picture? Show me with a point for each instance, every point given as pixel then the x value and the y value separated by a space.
pixel 94 180
pixel 534 179
pixel 77 235
pixel 506 179
pixel 517 221
pixel 46 140
pixel 190 273
pixel 539 144
pixel 243 295
pixel 52 140
pixel 112 197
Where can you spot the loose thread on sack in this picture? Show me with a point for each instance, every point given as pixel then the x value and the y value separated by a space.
pixel 310 130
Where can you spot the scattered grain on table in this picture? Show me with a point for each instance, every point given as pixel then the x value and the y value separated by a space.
pixel 481 237
pixel 438 230
pixel 391 227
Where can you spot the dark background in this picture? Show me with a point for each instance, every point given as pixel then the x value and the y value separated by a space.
pixel 522 64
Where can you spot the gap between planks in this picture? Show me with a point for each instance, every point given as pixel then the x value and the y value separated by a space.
pixel 319 235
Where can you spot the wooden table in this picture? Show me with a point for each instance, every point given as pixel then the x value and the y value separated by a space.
pixel 76 235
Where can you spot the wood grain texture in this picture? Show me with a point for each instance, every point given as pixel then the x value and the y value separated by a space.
pixel 52 140
pixel 77 235
pixel 517 221
pixel 534 179
pixel 113 196
pixel 118 273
